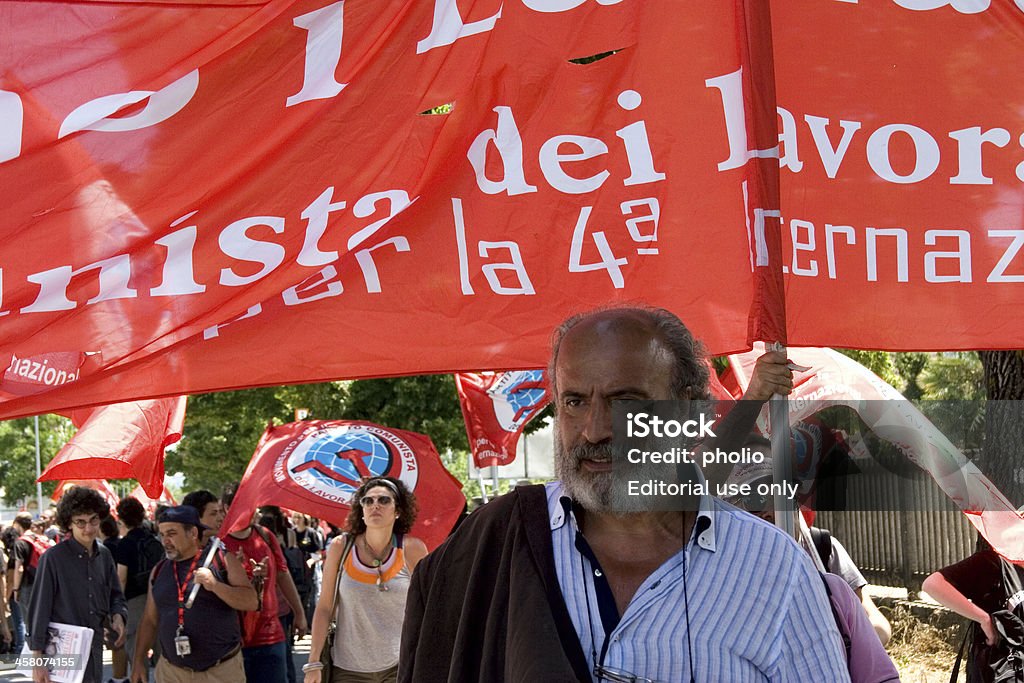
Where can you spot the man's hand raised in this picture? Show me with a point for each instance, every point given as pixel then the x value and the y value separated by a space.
pixel 771 375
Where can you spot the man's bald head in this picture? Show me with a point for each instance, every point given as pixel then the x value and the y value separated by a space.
pixel 690 375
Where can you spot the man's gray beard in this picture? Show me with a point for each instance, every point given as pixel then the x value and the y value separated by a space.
pixel 595 491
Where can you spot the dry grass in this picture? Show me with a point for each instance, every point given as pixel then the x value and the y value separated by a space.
pixel 922 652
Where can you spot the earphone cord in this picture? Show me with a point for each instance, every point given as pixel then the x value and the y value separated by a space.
pixel 590 623
pixel 686 609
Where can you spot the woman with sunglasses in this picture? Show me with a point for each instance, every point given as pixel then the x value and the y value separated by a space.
pixel 365 582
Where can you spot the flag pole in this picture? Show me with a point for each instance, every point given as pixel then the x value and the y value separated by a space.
pixel 782 455
pixel 39 470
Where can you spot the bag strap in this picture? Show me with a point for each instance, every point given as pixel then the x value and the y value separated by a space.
pixel 968 629
pixel 349 542
pixel 822 540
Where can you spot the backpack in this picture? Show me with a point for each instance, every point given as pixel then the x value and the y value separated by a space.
pixel 150 553
pixel 40 544
pixel 296 557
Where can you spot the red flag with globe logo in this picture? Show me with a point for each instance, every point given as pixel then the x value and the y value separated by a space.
pixel 316 466
pixel 496 407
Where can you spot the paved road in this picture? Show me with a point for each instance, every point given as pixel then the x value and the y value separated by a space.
pixel 300 657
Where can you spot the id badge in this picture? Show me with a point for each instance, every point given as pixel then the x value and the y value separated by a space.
pixel 181 645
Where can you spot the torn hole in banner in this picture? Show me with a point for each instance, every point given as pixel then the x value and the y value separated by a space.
pixel 595 58
pixel 439 110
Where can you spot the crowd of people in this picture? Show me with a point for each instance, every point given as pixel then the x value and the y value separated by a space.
pixel 546 583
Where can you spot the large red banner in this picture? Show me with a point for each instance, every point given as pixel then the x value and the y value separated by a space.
pixel 431 186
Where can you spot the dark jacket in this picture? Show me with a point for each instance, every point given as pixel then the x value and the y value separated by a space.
pixel 486 605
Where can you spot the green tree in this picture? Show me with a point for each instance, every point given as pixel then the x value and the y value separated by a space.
pixel 428 404
pixel 221 433
pixel 18 446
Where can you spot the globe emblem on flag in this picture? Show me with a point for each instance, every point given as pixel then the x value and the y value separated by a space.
pixel 332 462
pixel 515 395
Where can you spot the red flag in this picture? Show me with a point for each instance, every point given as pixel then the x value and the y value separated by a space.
pixel 101 485
pixel 122 441
pixel 496 407
pixel 177 259
pixel 835 379
pixel 316 466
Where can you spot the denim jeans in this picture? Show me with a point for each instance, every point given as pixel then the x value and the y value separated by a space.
pixel 289 661
pixel 265 663
pixel 17 625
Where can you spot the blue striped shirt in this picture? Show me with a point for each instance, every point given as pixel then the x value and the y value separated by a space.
pixel 740 602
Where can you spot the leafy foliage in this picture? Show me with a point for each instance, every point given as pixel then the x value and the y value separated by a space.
pixel 18 446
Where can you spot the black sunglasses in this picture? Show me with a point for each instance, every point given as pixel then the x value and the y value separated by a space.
pixel 384 501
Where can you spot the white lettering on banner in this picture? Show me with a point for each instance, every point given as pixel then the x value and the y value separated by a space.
pixel 969 142
pixel 316 215
pixel 952 259
pixel 830 250
pixel 830 157
pixel 551 163
pixel 293 296
pixel 509 143
pixel 733 106
pixel 516 266
pixel 633 224
pixel 638 145
pixel 561 5
pixel 901 252
pixel 12 122
pixel 235 242
pixel 325 30
pixel 39 372
pixel 398 200
pixel 162 105
pixel 961 6
pixel 214 331
pixel 998 273
pixel 178 276
pixel 794 227
pixel 608 262
pixel 490 270
pixel 179 271
pixel 790 157
pixel 114 275
pixel 448 26
pixel 927 155
pixel 962 256
pixel 460 243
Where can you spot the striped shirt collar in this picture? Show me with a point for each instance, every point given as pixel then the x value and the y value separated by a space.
pixel 560 511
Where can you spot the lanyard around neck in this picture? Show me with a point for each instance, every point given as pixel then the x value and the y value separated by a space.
pixel 182 586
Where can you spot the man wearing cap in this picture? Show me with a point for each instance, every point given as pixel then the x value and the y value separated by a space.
pixel 555 583
pixel 201 642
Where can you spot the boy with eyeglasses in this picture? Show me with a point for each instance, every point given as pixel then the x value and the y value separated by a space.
pixel 76 583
